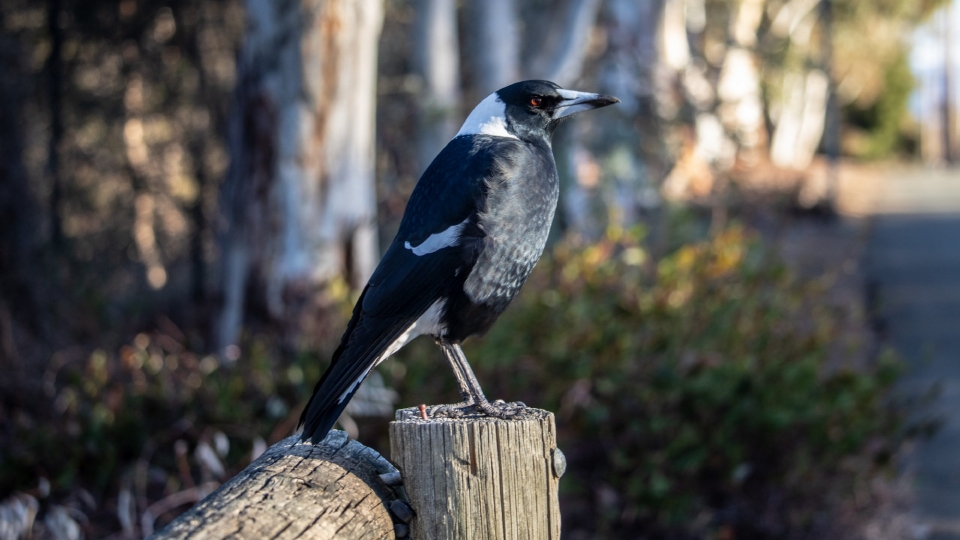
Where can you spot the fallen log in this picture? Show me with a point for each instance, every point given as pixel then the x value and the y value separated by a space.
pixel 338 489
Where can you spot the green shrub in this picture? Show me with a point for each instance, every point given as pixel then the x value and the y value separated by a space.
pixel 693 395
pixel 110 422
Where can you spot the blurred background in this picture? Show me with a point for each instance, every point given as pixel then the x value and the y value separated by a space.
pixel 746 320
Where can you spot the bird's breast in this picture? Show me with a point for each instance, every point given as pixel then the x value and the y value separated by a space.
pixel 516 222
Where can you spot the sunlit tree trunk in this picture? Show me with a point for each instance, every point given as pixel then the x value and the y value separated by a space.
pixel 436 59
pixel 803 106
pixel 298 201
pixel 618 160
pixel 741 104
pixel 800 125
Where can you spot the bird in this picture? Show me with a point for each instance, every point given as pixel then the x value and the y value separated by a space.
pixel 474 227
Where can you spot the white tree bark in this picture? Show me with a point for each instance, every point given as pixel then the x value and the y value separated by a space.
pixel 561 59
pixel 673 35
pixel 299 199
pixel 436 59
pixel 800 125
pixel 803 108
pixel 738 88
pixel 629 141
pixel 741 104
pixel 495 46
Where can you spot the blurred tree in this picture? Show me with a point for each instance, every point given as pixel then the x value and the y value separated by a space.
pixel 873 79
pixel 509 41
pixel 436 60
pixel 55 82
pixel 740 68
pixel 17 212
pixel 560 53
pixel 627 144
pixel 879 125
pixel 494 44
pixel 299 200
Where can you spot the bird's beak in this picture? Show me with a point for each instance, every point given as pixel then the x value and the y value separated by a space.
pixel 574 102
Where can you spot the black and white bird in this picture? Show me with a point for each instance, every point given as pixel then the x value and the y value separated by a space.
pixel 474 228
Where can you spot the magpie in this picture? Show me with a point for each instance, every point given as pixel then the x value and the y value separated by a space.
pixel 473 229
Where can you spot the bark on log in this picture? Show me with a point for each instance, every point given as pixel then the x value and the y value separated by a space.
pixel 333 490
pixel 479 478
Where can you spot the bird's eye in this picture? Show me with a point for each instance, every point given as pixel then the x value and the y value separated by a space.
pixel 536 102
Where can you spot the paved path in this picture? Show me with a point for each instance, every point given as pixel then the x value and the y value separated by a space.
pixel 913 257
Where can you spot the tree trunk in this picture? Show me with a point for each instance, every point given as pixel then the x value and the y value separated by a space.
pixel 800 127
pixel 805 93
pixel 495 45
pixel 299 197
pixel 436 59
pixel 630 138
pixel 741 103
pixel 18 222
pixel 54 82
pixel 564 49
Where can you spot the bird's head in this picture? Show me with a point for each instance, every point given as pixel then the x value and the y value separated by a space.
pixel 529 110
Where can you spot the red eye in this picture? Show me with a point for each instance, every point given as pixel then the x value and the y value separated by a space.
pixel 536 102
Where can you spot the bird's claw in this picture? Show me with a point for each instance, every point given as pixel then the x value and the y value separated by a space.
pixel 496 409
pixel 501 409
pixel 458 410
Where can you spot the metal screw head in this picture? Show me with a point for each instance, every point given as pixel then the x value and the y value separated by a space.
pixel 559 463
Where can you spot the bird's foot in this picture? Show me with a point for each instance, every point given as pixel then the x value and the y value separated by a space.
pixel 500 408
pixel 496 409
pixel 455 410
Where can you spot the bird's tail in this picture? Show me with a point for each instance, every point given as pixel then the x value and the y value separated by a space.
pixel 361 347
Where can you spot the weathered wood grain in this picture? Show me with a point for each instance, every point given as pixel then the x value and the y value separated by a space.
pixel 479 478
pixel 297 490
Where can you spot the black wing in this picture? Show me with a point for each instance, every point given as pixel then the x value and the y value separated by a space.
pixel 405 285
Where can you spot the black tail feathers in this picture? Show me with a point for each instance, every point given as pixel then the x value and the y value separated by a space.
pixel 334 391
pixel 317 421
pixel 360 349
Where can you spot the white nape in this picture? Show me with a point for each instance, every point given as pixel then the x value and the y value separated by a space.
pixel 573 102
pixel 487 118
pixel 428 323
pixel 438 241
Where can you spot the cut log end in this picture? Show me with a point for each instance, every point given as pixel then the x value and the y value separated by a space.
pixel 478 477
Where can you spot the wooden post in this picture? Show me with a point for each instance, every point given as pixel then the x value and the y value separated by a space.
pixel 479 478
pixel 338 489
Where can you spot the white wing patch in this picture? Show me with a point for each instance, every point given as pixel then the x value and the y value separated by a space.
pixel 428 323
pixel 438 241
pixel 487 118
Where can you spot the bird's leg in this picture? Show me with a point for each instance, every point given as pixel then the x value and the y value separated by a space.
pixel 470 389
pixel 464 377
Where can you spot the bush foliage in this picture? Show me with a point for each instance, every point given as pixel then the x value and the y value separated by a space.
pixel 694 394
pixel 695 398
